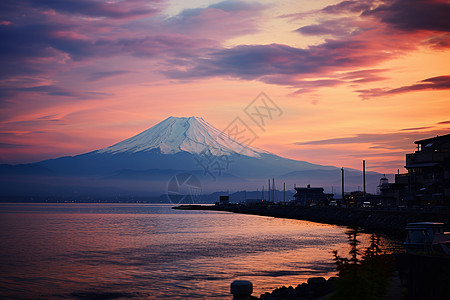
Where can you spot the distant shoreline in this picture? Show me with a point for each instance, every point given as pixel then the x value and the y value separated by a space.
pixel 390 222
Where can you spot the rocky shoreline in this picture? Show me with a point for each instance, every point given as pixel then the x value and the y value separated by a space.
pixel 315 288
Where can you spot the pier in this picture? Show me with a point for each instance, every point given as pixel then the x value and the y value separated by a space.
pixel 388 221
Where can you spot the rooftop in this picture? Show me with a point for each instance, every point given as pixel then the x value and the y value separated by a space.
pixel 433 139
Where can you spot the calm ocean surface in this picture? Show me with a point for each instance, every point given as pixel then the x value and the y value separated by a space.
pixel 145 251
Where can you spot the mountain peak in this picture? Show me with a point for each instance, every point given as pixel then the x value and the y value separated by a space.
pixel 178 134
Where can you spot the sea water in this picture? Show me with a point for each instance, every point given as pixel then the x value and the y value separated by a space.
pixel 150 251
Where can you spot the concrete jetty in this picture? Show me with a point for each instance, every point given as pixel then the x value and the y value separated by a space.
pixel 388 221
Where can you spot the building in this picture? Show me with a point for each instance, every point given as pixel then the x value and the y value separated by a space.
pixel 392 194
pixel 224 200
pixel 355 198
pixel 429 172
pixel 311 196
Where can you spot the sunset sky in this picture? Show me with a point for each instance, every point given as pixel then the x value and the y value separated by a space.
pixel 354 79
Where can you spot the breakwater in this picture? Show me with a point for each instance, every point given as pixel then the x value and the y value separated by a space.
pixel 387 221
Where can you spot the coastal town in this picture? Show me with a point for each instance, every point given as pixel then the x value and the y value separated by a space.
pixel 424 185
pixel 415 206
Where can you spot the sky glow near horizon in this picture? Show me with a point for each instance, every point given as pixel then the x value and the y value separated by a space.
pixel 355 79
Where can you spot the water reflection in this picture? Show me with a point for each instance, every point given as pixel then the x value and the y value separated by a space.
pixel 363 275
pixel 78 251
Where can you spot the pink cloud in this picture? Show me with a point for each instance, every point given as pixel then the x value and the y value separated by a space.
pixel 400 140
pixel 434 83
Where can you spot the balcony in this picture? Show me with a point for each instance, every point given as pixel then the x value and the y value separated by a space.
pixel 425 159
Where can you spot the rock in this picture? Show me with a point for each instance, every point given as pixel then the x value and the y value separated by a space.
pixel 315 288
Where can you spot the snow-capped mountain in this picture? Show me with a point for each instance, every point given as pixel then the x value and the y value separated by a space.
pixel 144 164
pixel 173 135
pixel 181 144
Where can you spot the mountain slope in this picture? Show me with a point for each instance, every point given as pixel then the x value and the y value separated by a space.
pixel 144 163
pixel 173 135
pixel 180 143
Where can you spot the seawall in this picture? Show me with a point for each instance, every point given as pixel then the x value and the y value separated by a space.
pixel 391 222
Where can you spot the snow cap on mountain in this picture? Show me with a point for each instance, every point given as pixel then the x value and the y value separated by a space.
pixel 189 134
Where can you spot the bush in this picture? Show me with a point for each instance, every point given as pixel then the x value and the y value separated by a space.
pixel 363 278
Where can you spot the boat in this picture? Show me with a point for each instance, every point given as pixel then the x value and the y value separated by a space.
pixel 427 238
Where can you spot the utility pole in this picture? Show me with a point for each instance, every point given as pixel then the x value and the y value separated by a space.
pixel 342 187
pixel 273 189
pixel 364 178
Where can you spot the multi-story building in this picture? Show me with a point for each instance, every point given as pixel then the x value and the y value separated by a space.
pixel 429 172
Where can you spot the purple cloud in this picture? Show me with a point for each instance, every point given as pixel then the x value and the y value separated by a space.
pixel 47 90
pixel 341 8
pixel 257 61
pixel 364 76
pixel 308 86
pixel 416 128
pixel 395 17
pixel 237 6
pixel 434 83
pixel 109 9
pixel 406 15
pixel 33 123
pixel 51 91
pixel 29 44
pixel 359 42
pixel 335 27
pixel 348 6
pixel 440 41
pixel 412 15
pixel 13 146
pixel 400 140
pixel 107 74
pixel 38 36
pixel 224 19
pixel 165 45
